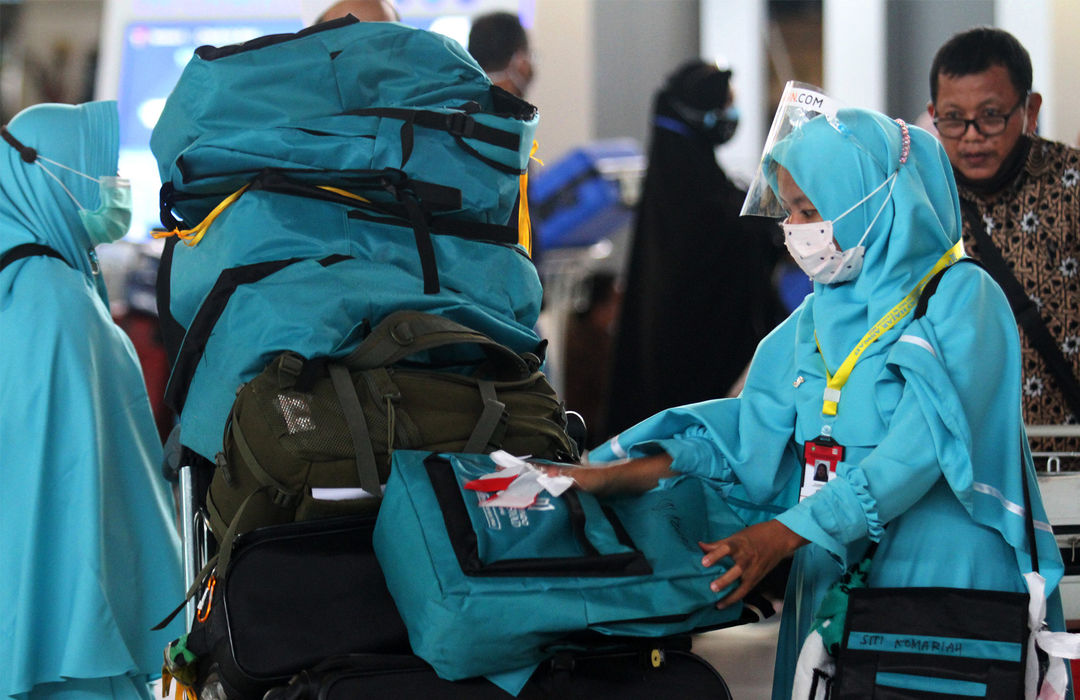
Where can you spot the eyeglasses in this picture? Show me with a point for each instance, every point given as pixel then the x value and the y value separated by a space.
pixel 986 124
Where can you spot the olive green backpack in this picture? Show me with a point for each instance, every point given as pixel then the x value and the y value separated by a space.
pixel 312 438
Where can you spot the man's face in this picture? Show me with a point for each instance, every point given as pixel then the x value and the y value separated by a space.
pixel 990 93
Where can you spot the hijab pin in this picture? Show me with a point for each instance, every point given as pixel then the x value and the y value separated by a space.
pixel 905 141
pixel 798 381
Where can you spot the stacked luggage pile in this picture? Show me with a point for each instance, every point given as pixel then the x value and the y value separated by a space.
pixel 347 278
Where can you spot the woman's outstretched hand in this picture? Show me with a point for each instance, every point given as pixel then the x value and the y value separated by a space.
pixel 756 550
pixel 634 476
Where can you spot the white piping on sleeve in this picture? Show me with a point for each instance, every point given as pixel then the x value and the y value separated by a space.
pixel 916 340
pixel 1008 505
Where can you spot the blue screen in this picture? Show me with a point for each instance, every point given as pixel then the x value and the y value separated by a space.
pixel 153 57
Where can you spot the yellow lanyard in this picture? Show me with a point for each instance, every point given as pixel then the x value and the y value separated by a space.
pixel 835 382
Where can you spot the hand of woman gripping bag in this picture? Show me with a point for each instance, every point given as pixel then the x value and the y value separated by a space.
pixel 755 551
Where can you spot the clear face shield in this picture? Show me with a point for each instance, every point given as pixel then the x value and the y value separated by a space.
pixel 799 103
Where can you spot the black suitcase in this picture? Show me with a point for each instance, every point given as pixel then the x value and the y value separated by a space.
pixel 626 669
pixel 294 595
pixel 307 601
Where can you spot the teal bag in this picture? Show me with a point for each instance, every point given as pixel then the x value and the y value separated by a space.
pixel 324 180
pixel 485 591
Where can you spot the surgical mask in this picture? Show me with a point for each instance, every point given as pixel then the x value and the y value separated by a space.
pixel 513 73
pixel 112 219
pixel 716 125
pixel 811 245
pixel 720 125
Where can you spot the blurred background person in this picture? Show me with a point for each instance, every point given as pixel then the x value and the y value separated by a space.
pixel 699 290
pixel 363 10
pixel 91 559
pixel 500 45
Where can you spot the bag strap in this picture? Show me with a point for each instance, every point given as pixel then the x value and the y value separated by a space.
pixel 405 333
pixel 366 468
pixel 1024 309
pixel 27 250
pixel 1029 521
pixel 493 414
pixel 932 285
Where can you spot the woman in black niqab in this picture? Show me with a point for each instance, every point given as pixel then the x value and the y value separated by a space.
pixel 699 292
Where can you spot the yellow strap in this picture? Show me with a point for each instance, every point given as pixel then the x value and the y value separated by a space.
pixel 834 383
pixel 524 224
pixel 192 236
pixel 344 193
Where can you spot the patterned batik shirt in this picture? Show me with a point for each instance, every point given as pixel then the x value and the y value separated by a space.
pixel 1035 222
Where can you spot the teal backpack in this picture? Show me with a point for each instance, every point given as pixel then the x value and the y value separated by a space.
pixel 316 182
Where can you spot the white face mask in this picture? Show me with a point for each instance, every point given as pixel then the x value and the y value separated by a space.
pixel 811 245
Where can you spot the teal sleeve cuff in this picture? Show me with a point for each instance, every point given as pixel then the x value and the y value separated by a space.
pixel 693 455
pixel 839 514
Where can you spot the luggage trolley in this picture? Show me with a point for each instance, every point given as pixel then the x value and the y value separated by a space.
pixel 378 662
pixel 1061 497
pixel 583 207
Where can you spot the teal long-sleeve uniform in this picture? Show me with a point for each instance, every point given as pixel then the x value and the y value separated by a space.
pixel 935 449
pixel 90 555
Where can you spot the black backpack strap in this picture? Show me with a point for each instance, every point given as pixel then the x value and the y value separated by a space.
pixel 458 124
pixel 1024 309
pixel 27 250
pixel 172 333
pixel 931 287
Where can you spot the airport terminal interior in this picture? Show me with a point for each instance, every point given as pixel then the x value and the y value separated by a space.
pixel 597 77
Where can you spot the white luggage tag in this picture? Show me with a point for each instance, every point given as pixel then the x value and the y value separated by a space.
pixel 516 483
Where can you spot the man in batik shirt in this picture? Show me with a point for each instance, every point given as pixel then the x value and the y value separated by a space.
pixel 1023 191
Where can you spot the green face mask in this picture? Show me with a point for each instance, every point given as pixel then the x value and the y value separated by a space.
pixel 112 219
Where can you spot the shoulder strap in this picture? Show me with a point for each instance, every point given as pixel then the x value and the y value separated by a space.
pixel 1024 309
pixel 932 285
pixel 1029 519
pixel 27 250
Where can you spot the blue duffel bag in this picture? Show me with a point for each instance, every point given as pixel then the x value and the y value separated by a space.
pixel 488 591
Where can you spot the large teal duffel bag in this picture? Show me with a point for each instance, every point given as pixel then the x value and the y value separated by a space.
pixel 485 591
pixel 321 181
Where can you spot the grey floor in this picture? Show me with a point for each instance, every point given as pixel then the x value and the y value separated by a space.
pixel 744 657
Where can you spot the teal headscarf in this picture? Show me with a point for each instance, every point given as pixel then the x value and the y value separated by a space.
pixel 33 207
pixel 90 559
pixel 941 392
pixel 920 222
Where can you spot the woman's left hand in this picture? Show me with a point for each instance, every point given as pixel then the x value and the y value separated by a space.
pixel 756 550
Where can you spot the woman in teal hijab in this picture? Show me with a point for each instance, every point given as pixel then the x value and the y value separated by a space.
pixel 925 412
pixel 90 558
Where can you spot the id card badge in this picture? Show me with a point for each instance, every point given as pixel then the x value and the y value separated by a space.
pixel 820 457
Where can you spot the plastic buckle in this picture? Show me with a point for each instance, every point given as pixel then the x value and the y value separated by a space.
pixel 285 500
pixel 402 334
pixel 291 363
pixel 460 124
